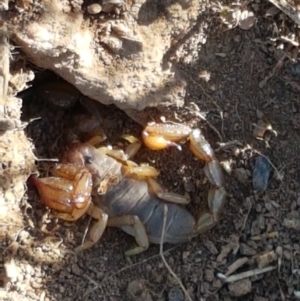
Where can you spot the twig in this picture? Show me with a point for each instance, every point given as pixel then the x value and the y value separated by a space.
pixel 45 159
pixel 32 120
pixel 90 279
pixel 247 215
pixel 265 235
pixel 161 253
pixel 278 66
pixel 140 262
pixel 223 145
pixel 280 289
pixel 86 230
pixel 236 265
pixel 244 275
pixel 201 116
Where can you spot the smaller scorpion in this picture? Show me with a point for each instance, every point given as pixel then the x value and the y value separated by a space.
pixel 117 192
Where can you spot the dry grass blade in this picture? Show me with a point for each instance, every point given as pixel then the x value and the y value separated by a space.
pixel 161 253
pixel 247 274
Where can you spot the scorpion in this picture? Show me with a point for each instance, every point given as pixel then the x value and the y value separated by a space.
pixel 117 192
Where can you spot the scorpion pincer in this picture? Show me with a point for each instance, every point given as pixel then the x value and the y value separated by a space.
pixel 126 195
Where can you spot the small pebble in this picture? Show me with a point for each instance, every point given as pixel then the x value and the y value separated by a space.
pixel 246 250
pixel 287 254
pixel 209 275
pixel 217 283
pixel 242 175
pixel 255 229
pixel 269 207
pixel 94 9
pixel 240 288
pixel 185 255
pixel 211 247
pixel 148 267
pixel 258 207
pixel 76 270
pixel 175 294
pixel 261 174
pixel 137 290
pixel 294 69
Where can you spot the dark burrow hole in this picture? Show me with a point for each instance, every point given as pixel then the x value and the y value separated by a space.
pixel 54 109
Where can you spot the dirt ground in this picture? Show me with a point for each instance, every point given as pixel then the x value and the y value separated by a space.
pixel 237 80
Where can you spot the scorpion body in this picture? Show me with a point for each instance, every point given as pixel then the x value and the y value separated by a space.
pixel 118 194
pixel 132 197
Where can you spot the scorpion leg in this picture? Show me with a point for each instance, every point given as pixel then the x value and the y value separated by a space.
pixel 133 147
pixel 96 139
pixel 90 128
pixel 97 230
pixel 119 154
pixel 137 229
pixel 148 173
pixel 171 197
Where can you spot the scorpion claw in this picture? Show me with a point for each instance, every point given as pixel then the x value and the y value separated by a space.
pixel 68 192
pixel 200 147
pixel 160 136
